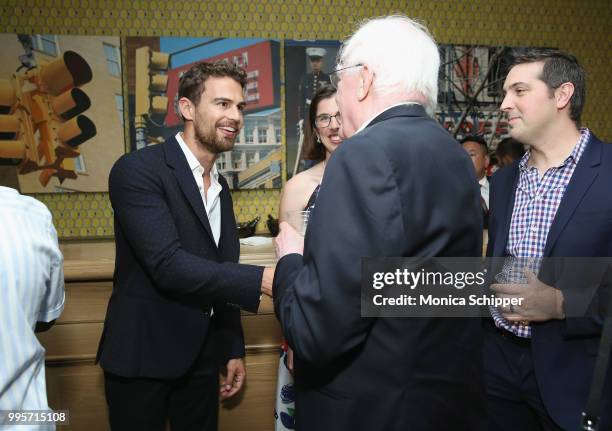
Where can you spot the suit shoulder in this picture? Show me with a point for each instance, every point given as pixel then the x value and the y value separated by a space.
pixel 423 137
pixel 143 156
pixel 141 165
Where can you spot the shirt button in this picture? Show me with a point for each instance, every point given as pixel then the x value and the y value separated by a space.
pixel 534 228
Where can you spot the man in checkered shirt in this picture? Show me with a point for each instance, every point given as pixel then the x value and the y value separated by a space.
pixel 556 201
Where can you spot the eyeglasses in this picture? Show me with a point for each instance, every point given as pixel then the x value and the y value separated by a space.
pixel 334 77
pixel 324 120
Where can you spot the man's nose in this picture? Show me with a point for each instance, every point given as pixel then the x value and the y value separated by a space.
pixel 235 114
pixel 506 104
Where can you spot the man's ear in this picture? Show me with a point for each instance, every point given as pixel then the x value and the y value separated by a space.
pixel 366 80
pixel 186 108
pixel 563 94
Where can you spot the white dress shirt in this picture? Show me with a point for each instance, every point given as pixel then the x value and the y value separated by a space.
pixel 211 199
pixel 484 190
pixel 31 290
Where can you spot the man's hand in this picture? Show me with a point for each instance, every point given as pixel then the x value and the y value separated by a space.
pixel 290 359
pixel 232 382
pixel 288 241
pixel 266 280
pixel 540 302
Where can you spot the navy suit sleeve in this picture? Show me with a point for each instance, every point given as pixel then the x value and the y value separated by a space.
pixel 586 285
pixel 141 212
pixel 229 330
pixel 357 214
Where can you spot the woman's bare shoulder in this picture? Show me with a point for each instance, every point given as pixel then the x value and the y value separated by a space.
pixel 302 181
pixel 297 191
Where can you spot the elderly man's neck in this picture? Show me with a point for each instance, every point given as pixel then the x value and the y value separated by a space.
pixel 378 103
pixel 382 101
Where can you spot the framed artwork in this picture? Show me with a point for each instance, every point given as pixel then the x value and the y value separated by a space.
pixel 470 91
pixel 156 65
pixel 307 68
pixel 61 112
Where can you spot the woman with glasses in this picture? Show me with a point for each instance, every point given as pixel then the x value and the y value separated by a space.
pixel 300 193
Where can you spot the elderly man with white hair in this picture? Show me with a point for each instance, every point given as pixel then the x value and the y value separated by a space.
pixel 399 186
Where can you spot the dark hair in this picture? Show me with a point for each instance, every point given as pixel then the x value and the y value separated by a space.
pixel 191 83
pixel 477 139
pixel 314 150
pixel 510 147
pixel 559 68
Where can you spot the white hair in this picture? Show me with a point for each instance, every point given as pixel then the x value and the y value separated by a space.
pixel 401 53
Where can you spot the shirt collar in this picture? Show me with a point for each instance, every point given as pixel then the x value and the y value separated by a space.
pixel 367 123
pixel 483 181
pixel 585 134
pixel 192 161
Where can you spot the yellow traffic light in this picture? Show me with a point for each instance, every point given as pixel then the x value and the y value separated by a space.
pixel 16 134
pixel 10 148
pixel 151 82
pixel 57 112
pixel 42 123
pixel 7 96
pixel 70 70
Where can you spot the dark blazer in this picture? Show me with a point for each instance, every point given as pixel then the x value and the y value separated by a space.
pixel 169 271
pixel 401 187
pixel 564 350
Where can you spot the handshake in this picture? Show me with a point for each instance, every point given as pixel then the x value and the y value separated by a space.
pixel 288 241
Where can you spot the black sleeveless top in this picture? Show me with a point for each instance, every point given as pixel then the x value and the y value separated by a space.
pixel 313 197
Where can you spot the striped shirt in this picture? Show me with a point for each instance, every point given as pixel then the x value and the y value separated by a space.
pixel 31 290
pixel 535 205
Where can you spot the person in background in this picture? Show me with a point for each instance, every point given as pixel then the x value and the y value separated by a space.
pixel 173 319
pixel 382 195
pixel 322 138
pixel 478 151
pixel 300 193
pixel 31 299
pixel 508 151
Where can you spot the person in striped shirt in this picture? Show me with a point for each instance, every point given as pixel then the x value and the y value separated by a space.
pixel 31 299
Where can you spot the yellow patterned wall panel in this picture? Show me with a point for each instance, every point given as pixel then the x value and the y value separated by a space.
pixel 581 27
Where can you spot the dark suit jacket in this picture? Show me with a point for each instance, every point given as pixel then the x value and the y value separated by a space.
pixel 564 350
pixel 401 187
pixel 169 271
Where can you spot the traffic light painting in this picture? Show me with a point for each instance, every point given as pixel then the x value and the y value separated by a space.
pixel 151 83
pixel 41 121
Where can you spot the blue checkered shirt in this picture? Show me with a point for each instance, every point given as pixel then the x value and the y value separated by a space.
pixel 535 204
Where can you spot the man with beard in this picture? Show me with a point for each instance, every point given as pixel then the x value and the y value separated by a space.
pixel 173 319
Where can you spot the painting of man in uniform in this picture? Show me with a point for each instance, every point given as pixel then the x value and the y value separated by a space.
pixel 307 68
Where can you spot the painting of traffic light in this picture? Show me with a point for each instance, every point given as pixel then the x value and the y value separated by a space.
pixel 61 112
pixel 307 68
pixel 155 65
